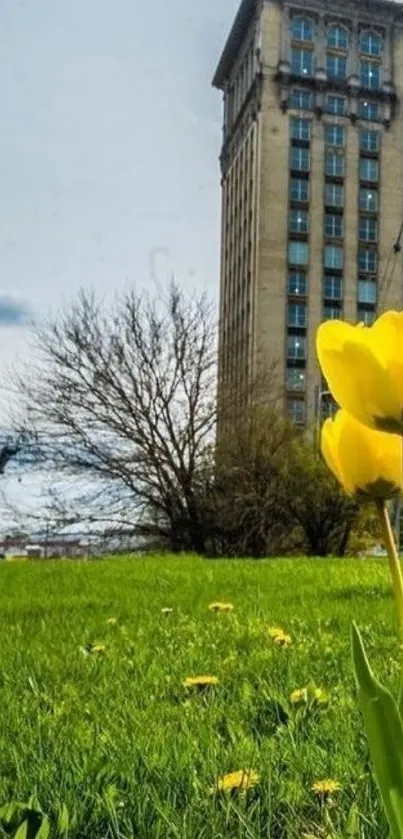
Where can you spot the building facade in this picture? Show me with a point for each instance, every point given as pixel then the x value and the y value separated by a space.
pixel 312 185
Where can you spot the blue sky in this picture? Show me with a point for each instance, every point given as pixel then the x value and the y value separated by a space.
pixel 110 135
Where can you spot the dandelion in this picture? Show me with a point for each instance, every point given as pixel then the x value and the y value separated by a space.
pixel 326 787
pixel 166 610
pixel 297 697
pixel 200 682
pixel 112 621
pixel 275 630
pixel 283 640
pixel 98 648
pixel 320 695
pixel 221 607
pixel 241 780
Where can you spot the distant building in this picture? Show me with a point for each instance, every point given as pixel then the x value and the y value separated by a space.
pixel 312 184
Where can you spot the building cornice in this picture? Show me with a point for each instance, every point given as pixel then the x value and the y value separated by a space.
pixel 245 13
pixel 372 11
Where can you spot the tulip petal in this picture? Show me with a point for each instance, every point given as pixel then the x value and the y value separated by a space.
pixel 362 386
pixel 330 447
pixel 333 334
pixel 371 459
pixel 387 343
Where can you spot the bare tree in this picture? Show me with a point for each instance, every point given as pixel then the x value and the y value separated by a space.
pixel 123 398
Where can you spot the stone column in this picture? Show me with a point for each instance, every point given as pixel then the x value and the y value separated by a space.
pixel 285 35
pixel 354 68
pixel 387 57
pixel 321 44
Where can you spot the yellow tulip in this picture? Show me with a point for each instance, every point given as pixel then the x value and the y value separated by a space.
pixel 363 366
pixel 368 463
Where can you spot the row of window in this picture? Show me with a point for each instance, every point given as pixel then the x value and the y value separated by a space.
pixel 298 221
pixel 336 105
pixel 335 135
pixel 334 194
pixel 337 36
pixel 333 225
pixel 303 64
pixel 333 257
pixel 297 312
pixel 334 164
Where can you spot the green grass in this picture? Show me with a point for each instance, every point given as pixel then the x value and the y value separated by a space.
pixel 112 745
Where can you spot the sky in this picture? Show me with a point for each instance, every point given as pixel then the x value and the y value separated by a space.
pixel 109 144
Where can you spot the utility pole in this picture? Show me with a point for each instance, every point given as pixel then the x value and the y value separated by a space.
pixel 319 397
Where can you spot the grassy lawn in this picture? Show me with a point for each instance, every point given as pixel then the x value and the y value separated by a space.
pixel 97 725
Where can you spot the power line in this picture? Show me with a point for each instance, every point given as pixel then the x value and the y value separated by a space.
pixel 386 278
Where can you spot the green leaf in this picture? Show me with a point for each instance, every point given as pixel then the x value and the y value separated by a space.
pixel 44 830
pixel 22 832
pixel 385 735
pixel 353 822
pixel 63 820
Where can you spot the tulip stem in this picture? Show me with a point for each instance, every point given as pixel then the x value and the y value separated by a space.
pixel 393 556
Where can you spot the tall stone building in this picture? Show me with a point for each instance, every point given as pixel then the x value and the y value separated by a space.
pixel 312 184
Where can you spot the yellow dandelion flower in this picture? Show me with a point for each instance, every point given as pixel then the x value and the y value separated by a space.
pixel 241 780
pixel 166 610
pixel 98 648
pixel 325 787
pixel 200 682
pixel 112 621
pixel 299 696
pixel 221 607
pixel 283 640
pixel 320 695
pixel 275 630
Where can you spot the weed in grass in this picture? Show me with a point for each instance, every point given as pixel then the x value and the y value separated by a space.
pixel 112 744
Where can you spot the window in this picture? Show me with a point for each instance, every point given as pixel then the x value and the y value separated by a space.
pixel 300 128
pixel 333 257
pixel 368 230
pixel 371 43
pixel 302 63
pixel 336 66
pixel 302 29
pixel 366 291
pixel 369 140
pixel 301 99
pixel 295 378
pixel 334 135
pixel 368 200
pixel 296 314
pixel 337 37
pixel 365 316
pixel 299 221
pixel 333 225
pixel 369 111
pixel 297 282
pixel 369 169
pixel 298 253
pixel 370 74
pixel 332 287
pixel 336 105
pixel 331 312
pixel 296 347
pixel 334 164
pixel 334 195
pixel 296 411
pixel 367 260
pixel 299 189
pixel 300 159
